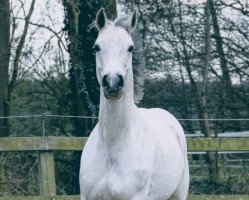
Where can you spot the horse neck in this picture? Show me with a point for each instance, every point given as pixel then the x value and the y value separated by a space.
pixel 115 118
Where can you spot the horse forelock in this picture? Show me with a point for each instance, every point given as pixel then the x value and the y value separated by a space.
pixel 123 22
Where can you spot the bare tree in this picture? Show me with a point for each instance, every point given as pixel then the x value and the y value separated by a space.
pixel 211 156
pixel 9 84
pixel 6 85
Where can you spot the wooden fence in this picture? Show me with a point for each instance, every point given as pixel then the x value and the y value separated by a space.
pixel 46 168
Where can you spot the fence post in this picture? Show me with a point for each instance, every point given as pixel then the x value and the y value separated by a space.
pixel 46 169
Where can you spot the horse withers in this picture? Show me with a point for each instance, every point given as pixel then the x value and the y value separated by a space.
pixel 132 153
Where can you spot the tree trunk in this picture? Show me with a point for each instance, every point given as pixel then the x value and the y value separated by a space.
pixel 211 156
pixel 79 105
pixel 7 86
pixel 83 81
pixel 200 94
pixel 4 68
pixel 18 53
pixel 219 47
pixel 227 96
pixel 4 63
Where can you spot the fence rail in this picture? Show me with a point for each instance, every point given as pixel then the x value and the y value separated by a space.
pixel 51 143
pixel 46 145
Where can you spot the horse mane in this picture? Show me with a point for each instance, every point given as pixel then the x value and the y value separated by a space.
pixel 138 61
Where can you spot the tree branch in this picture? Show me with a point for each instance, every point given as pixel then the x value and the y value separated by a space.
pixel 19 51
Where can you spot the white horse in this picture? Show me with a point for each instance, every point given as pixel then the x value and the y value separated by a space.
pixel 132 153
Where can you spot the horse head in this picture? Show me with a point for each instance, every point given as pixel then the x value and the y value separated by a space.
pixel 114 47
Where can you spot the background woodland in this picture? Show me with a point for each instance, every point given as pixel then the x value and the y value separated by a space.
pixel 197 67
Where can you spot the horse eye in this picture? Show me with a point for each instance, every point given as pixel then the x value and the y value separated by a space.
pixel 96 48
pixel 131 48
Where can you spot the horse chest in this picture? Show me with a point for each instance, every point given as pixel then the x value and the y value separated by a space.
pixel 120 181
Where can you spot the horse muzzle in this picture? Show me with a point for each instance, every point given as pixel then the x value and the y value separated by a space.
pixel 113 86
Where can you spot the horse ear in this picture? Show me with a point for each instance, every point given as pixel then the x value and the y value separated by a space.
pixel 133 20
pixel 100 21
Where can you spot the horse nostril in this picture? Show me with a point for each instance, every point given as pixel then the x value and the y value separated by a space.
pixel 121 81
pixel 105 82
